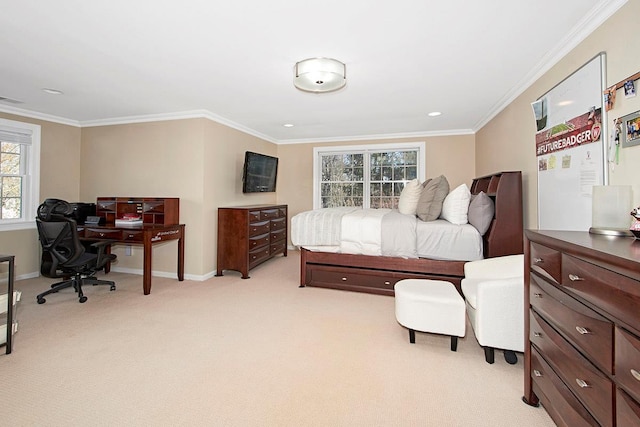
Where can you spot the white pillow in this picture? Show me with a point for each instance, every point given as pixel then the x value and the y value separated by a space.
pixel 409 197
pixel 455 207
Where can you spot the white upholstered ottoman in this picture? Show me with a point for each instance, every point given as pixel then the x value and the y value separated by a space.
pixel 433 306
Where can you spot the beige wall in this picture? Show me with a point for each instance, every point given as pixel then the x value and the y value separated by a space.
pixel 197 160
pixel 452 156
pixel 59 178
pixel 224 150
pixel 508 141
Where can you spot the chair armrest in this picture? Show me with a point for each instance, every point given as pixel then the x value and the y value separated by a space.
pixel 103 257
pixel 495 268
pixel 499 313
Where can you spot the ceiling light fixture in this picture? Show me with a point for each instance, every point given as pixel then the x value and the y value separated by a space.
pixel 288 125
pixel 320 75
pixel 52 91
pixel 434 114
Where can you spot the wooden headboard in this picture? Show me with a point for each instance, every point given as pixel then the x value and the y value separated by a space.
pixel 505 235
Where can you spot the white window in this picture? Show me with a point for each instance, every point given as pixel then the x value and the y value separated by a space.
pixel 368 176
pixel 19 174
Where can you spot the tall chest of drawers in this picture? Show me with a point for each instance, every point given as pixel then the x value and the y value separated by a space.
pixel 250 235
pixel 582 349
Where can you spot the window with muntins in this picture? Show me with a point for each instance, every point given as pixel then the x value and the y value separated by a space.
pixel 19 174
pixel 365 176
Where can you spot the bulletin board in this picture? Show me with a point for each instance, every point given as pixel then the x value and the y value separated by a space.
pixel 570 147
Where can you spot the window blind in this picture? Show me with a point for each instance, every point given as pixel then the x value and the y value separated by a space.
pixel 15 135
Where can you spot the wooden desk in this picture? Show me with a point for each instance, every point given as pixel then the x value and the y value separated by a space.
pixel 146 235
pixel 10 259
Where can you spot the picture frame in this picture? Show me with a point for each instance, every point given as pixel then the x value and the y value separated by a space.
pixel 630 129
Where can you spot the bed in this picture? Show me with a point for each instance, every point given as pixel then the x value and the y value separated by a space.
pixel 327 267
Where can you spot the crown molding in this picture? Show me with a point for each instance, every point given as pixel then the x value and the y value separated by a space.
pixel 40 116
pixel 426 134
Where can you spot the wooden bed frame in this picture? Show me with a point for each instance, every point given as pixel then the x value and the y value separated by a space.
pixel 379 274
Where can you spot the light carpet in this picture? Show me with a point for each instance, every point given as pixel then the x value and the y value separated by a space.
pixel 233 352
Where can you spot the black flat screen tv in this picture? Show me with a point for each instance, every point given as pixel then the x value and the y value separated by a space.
pixel 259 173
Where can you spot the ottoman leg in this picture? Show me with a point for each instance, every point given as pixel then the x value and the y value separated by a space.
pixel 454 343
pixel 412 336
pixel 488 354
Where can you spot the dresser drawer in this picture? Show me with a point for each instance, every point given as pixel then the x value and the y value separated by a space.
pixel 545 260
pixel 278 247
pixel 283 212
pixel 278 224
pixel 627 410
pixel 278 235
pixel 557 399
pixel 102 233
pixel 614 293
pixel 586 329
pixel 254 216
pixel 627 361
pixel 257 256
pixel 269 214
pixel 590 385
pixel 259 228
pixel 258 241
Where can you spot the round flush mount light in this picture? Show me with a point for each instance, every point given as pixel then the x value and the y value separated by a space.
pixel 320 75
pixel 434 114
pixel 288 125
pixel 52 91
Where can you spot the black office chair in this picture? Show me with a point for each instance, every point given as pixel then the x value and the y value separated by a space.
pixel 63 254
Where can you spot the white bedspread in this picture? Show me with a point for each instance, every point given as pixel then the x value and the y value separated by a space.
pixel 319 227
pixel 384 232
pixel 440 239
pixel 362 232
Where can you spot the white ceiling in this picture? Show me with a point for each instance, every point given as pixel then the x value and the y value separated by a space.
pixel 120 61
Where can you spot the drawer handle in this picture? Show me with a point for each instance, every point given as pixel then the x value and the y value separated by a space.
pixel 537 334
pixel 101 234
pixel 635 374
pixel 537 295
pixel 537 373
pixel 344 279
pixel 582 383
pixel 583 331
pixel 575 278
pixel 387 283
pixel 538 260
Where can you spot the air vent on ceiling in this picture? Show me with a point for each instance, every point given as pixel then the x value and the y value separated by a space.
pixel 9 100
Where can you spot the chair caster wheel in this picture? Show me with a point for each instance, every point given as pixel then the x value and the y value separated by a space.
pixel 112 288
pixel 41 300
pixel 82 299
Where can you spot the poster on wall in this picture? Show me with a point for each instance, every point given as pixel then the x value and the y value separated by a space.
pixel 570 148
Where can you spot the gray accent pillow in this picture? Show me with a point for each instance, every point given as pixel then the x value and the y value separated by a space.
pixel 433 194
pixel 481 212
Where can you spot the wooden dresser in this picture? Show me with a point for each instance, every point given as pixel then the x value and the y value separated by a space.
pixel 582 341
pixel 250 235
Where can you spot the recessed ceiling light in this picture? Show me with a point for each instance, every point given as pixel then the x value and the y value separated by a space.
pixel 434 114
pixel 52 91
pixel 288 125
